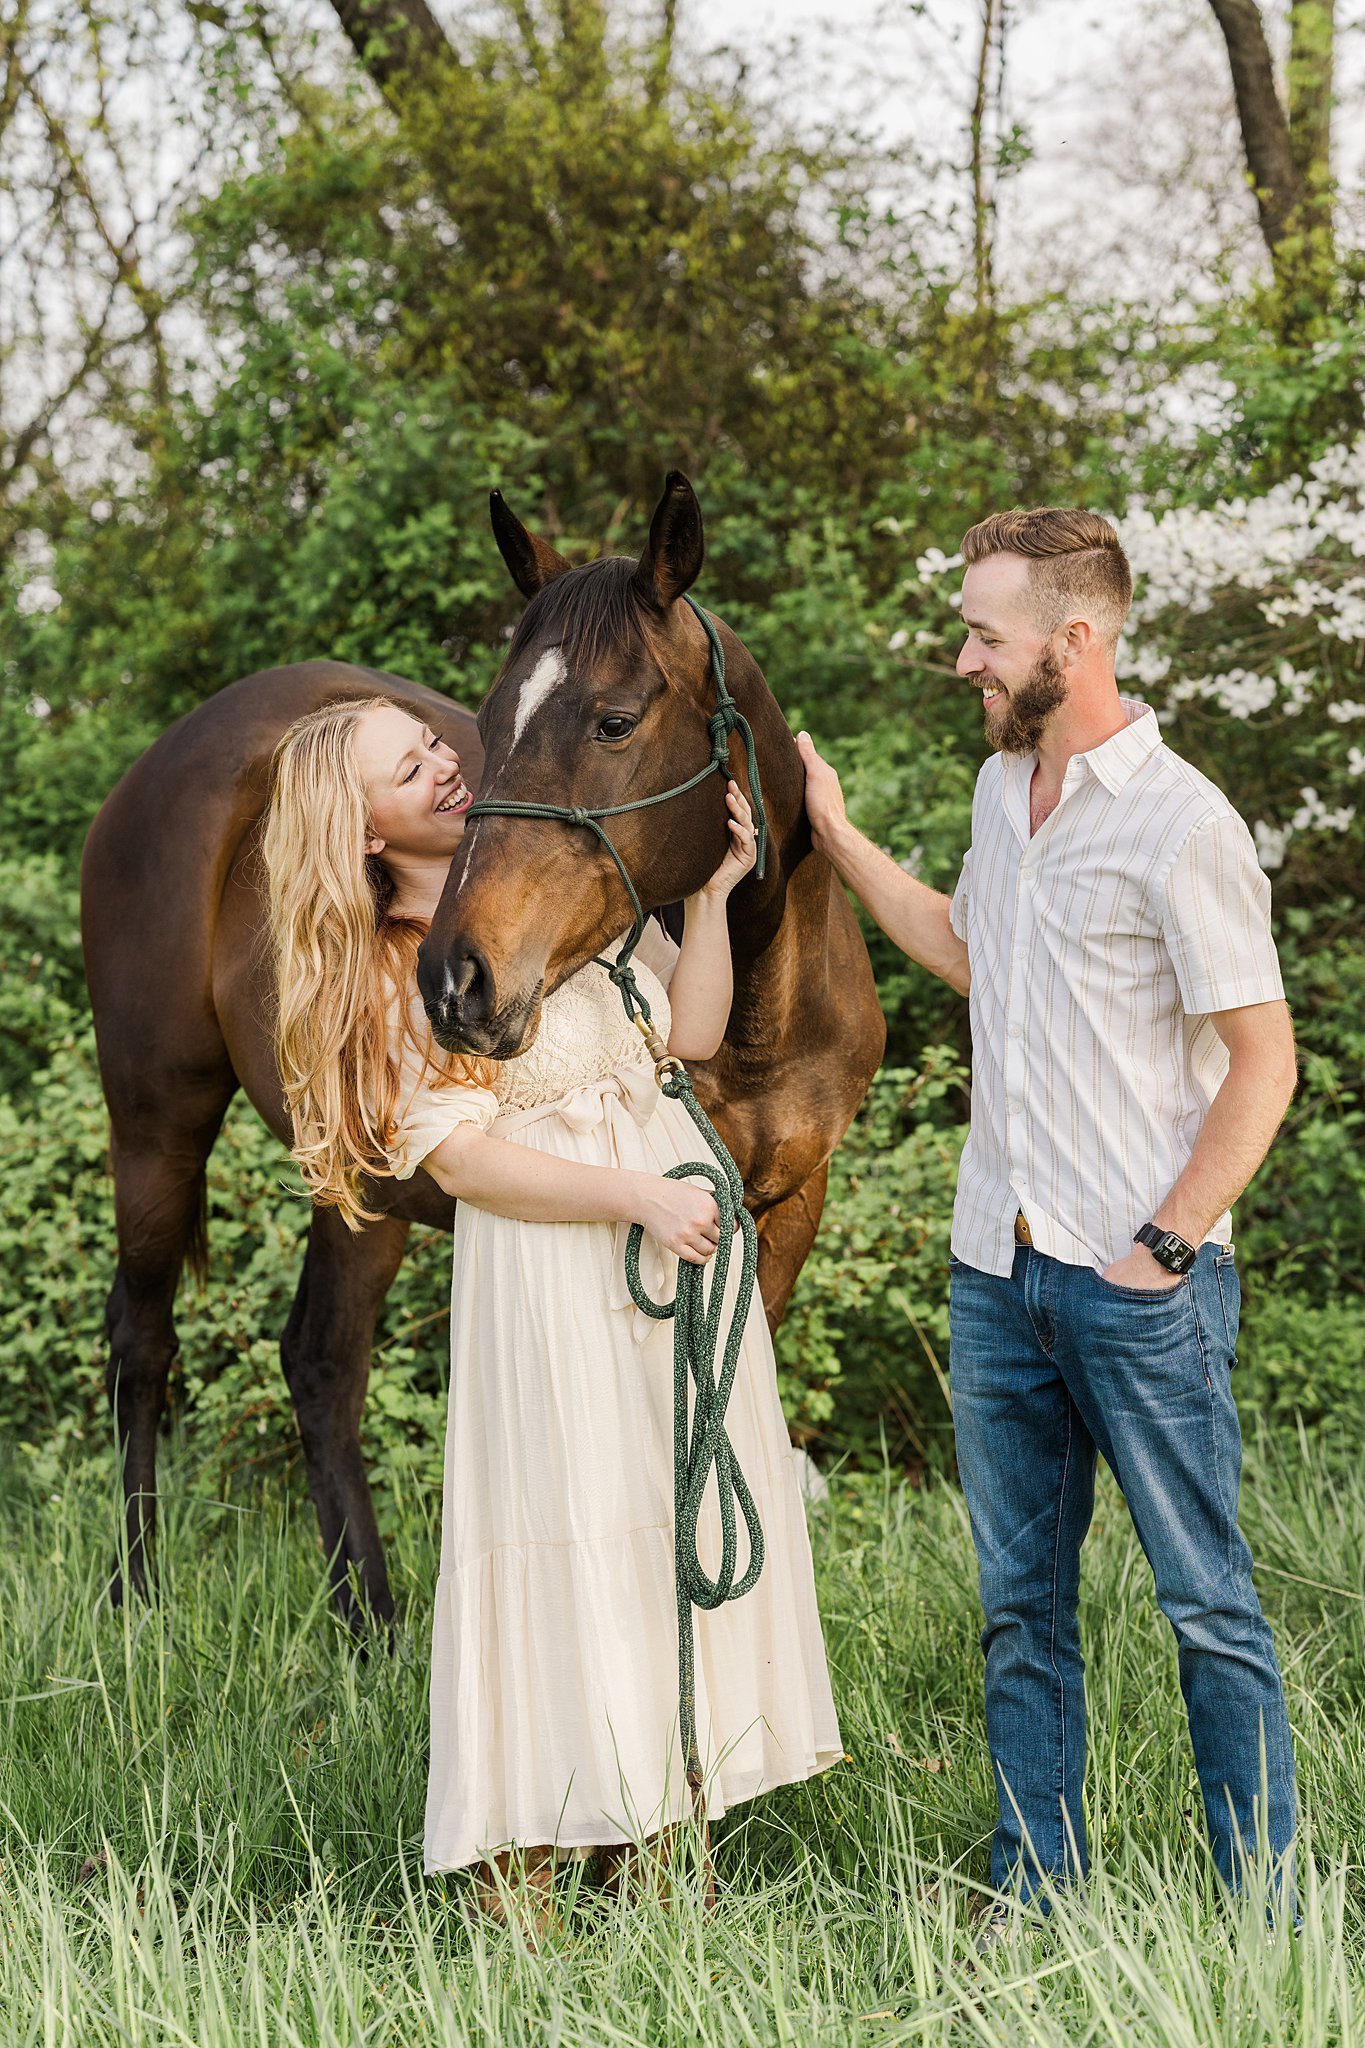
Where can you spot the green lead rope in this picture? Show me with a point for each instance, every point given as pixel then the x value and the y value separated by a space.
pixel 696 1342
pixel 695 1312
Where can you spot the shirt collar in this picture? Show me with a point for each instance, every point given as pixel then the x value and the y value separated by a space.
pixel 1113 762
pixel 1116 760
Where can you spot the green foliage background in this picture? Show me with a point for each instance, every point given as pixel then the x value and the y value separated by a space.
pixel 562 283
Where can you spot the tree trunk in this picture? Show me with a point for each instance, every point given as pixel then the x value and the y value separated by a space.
pixel 1264 124
pixel 983 204
pixel 394 39
pixel 1312 37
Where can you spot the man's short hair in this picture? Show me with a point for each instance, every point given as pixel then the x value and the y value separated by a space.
pixel 1076 563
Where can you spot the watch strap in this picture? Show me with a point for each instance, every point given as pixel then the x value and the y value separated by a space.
pixel 1167 1248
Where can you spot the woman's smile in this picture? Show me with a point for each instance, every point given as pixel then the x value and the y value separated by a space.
pixel 456 799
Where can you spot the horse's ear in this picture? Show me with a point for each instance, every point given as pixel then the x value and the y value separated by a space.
pixel 671 562
pixel 531 561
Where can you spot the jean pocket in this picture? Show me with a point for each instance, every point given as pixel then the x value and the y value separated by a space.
pixel 1177 1292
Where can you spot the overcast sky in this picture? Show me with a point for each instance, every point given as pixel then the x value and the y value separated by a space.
pixel 1135 187
pixel 1128 107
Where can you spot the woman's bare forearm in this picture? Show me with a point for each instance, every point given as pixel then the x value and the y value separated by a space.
pixel 702 987
pixel 534 1187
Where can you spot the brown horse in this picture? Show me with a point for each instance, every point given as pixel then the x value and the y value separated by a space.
pixel 173 931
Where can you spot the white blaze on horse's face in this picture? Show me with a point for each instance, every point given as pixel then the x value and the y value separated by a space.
pixel 547 675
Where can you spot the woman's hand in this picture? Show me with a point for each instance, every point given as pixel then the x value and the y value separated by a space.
pixel 743 846
pixel 683 1217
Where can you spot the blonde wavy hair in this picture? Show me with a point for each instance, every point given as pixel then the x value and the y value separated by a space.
pixel 340 956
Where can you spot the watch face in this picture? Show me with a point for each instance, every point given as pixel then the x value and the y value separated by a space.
pixel 1167 1249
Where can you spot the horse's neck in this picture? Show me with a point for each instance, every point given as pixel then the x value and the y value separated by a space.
pixel 764 935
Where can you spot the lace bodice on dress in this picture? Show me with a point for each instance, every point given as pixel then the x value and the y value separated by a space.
pixel 584 1035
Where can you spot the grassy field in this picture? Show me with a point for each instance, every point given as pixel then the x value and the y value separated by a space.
pixel 251 1792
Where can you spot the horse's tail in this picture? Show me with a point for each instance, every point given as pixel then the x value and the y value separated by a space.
pixel 197 1248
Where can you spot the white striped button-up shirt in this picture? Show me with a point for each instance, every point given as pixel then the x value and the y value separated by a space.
pixel 1097 946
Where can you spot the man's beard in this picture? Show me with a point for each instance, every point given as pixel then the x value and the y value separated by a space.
pixel 1028 707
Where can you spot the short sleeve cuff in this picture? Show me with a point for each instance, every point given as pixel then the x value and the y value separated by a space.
pixel 1216 920
pixel 1198 998
pixel 957 907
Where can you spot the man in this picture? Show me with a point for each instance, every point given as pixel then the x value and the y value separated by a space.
pixel 1132 1058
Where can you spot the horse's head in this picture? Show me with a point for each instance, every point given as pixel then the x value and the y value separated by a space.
pixel 604 698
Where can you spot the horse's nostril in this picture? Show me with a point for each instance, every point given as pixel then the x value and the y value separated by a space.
pixel 460 984
pixel 466 988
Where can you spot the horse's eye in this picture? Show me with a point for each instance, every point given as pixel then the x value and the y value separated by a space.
pixel 615 727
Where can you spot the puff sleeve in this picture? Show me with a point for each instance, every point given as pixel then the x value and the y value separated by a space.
pixel 429 1107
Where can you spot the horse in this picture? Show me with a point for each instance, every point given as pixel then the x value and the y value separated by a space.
pixel 178 971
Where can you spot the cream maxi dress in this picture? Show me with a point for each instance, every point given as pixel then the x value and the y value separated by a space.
pixel 554 1681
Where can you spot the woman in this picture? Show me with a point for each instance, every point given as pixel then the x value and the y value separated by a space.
pixel 554 1710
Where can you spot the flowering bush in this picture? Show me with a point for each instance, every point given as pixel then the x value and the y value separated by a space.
pixel 1248 636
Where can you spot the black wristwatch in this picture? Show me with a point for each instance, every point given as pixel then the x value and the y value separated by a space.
pixel 1166 1248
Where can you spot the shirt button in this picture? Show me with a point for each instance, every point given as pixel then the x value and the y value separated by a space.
pixel 1016 1031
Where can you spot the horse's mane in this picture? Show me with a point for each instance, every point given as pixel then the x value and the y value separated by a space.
pixel 586 611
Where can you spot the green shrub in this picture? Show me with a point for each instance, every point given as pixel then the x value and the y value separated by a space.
pixel 57 1257
pixel 863 1350
pixel 1303 1359
pixel 42 988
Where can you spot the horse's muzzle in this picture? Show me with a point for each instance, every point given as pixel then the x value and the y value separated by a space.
pixel 460 996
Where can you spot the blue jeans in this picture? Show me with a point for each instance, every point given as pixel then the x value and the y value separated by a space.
pixel 1049 1367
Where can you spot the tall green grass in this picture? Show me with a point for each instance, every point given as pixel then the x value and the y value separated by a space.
pixel 212 1806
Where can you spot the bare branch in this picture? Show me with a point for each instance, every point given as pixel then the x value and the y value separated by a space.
pixel 661 57
pixel 526 28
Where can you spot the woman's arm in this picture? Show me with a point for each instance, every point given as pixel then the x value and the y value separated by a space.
pixel 703 982
pixel 536 1187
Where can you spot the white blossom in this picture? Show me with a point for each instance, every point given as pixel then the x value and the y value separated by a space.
pixel 1271 841
pixel 1313 813
pixel 933 562
pixel 1180 558
pixel 1226 598
pixel 1144 664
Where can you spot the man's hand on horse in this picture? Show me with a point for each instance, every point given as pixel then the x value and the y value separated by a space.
pixel 824 796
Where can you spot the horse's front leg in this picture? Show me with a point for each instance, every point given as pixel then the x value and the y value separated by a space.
pixel 325 1350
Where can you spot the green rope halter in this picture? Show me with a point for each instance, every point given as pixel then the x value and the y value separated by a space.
pixel 695 1311
pixel 725 719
